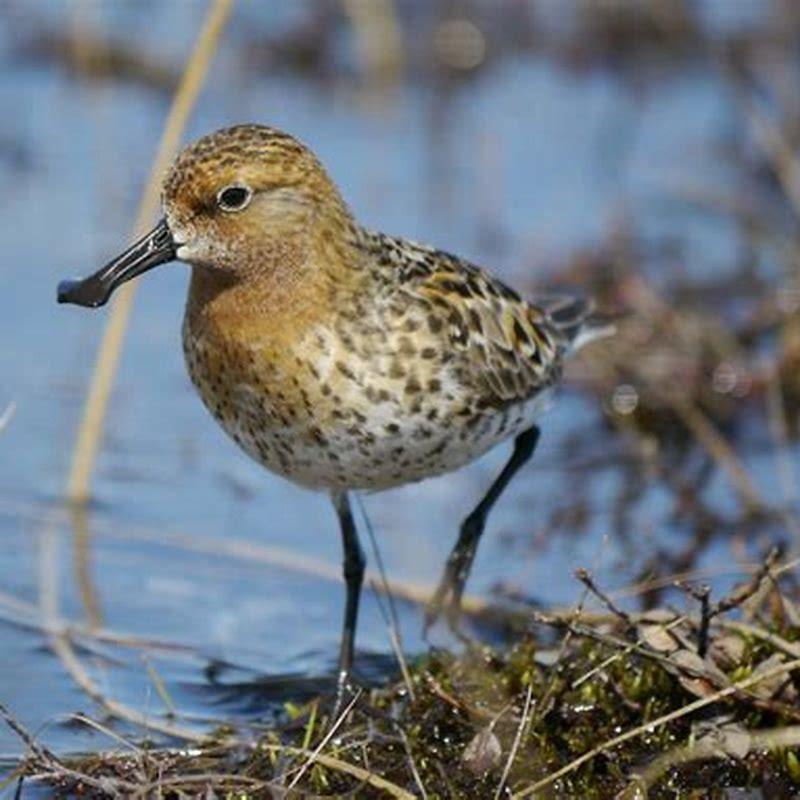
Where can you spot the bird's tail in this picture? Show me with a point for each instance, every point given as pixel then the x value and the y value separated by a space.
pixel 574 317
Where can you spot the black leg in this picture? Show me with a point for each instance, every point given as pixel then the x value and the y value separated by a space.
pixel 353 568
pixel 448 594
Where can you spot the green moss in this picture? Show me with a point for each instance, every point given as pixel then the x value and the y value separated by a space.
pixel 591 694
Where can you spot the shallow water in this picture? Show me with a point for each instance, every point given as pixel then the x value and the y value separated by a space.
pixel 189 544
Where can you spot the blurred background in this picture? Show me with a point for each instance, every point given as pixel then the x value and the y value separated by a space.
pixel 645 151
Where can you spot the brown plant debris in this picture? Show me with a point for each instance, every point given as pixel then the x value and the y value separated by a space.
pixel 628 704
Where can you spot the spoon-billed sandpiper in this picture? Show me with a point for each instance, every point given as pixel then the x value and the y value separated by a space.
pixel 337 357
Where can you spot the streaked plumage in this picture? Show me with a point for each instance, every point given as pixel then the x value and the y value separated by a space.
pixel 424 367
pixel 338 357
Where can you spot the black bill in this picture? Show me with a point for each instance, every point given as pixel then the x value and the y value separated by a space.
pixel 156 247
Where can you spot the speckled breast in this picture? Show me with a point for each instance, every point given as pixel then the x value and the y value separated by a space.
pixel 328 417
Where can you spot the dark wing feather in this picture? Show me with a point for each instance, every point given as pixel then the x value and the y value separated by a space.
pixel 505 349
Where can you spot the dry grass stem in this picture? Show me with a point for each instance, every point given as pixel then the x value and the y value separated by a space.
pixel 328 736
pixel 105 368
pixel 365 776
pixel 710 746
pixel 379 40
pixel 412 764
pixel 716 446
pixel 523 723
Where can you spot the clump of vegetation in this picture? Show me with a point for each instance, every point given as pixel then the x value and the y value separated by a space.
pixel 703 374
pixel 589 704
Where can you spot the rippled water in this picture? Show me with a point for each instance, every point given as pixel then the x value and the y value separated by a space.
pixel 188 544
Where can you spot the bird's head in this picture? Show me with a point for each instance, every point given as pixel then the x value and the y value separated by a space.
pixel 237 202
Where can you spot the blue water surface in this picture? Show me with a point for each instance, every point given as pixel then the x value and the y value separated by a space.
pixel 188 543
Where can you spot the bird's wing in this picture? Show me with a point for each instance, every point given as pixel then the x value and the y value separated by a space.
pixel 505 349
pixel 508 351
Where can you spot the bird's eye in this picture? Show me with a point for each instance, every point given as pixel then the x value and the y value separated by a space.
pixel 234 198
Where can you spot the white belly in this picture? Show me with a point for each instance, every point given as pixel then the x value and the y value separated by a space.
pixel 383 450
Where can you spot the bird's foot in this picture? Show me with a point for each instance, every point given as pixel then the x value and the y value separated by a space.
pixel 446 602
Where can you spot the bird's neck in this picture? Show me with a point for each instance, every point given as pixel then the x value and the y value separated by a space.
pixel 293 280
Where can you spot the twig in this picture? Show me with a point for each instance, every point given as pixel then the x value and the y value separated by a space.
pixel 693 673
pixel 397 649
pixel 41 753
pixel 770 138
pixel 331 762
pixel 622 645
pixel 718 448
pixel 412 764
pixel 743 593
pixel 778 642
pixel 105 368
pixel 395 619
pixel 574 613
pixel 391 619
pixel 703 596
pixel 629 647
pixel 443 694
pixel 208 778
pixel 325 739
pixel 709 747
pixel 160 687
pixel 45 761
pixel 91 723
pixel 584 576
pixel 26 615
pixel 517 740
pixel 62 647
pixel 695 419
pixel 124 789
pixel 663 581
pixel 652 725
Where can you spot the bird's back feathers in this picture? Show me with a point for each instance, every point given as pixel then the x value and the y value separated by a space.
pixel 510 348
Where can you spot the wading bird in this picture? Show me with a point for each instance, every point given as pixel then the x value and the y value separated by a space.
pixel 338 357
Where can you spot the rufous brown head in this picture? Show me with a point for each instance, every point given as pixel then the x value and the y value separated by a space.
pixel 233 201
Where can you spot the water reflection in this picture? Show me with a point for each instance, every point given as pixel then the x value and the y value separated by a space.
pixel 84 567
pixel 195 566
